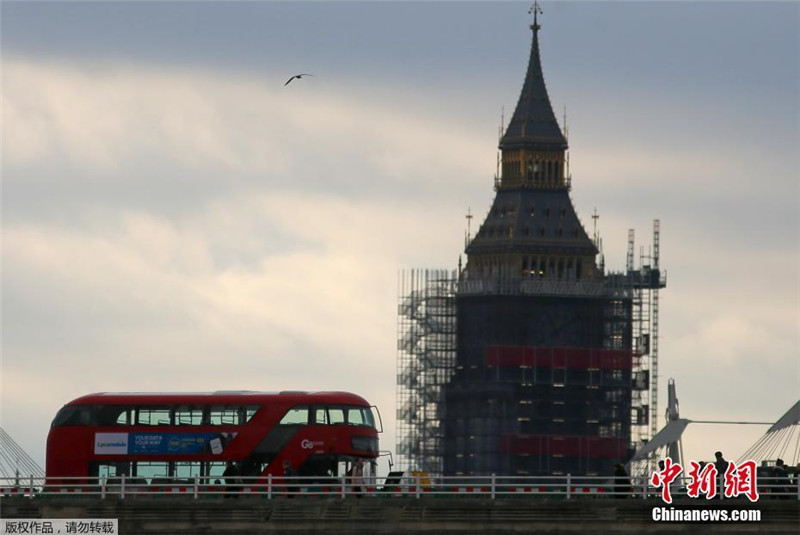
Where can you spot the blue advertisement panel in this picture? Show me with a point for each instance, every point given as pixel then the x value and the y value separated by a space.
pixel 178 443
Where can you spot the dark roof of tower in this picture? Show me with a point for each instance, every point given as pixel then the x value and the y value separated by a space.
pixel 532 221
pixel 534 124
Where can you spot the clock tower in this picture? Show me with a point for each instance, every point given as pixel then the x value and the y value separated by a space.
pixel 542 377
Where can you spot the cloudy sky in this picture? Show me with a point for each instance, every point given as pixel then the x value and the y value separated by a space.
pixel 174 218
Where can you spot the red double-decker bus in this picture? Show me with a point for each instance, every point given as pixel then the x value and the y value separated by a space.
pixel 155 436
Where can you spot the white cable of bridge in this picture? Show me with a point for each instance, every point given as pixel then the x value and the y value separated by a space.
pixel 782 440
pixel 14 461
pixel 728 423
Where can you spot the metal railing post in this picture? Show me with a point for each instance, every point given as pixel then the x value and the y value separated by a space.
pixel 569 486
pixel 418 481
pixel 103 488
pixel 494 480
pixel 196 486
pixel 31 488
pixel 344 485
pixel 269 487
pixel 644 488
pixel 122 488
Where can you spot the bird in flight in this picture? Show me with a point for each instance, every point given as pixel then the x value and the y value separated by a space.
pixel 298 76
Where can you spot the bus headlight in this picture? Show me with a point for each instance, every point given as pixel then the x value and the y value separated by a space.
pixel 365 444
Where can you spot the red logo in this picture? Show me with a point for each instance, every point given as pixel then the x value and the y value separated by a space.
pixel 737 480
pixel 702 481
pixel 665 477
pixel 741 480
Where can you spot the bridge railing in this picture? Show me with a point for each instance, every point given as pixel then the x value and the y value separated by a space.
pixel 270 487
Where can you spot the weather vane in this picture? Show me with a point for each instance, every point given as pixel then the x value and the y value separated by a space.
pixel 535 9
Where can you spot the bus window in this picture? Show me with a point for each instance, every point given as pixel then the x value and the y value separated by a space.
pixel 111 415
pixel 215 469
pixel 360 416
pixel 151 470
pixel 153 416
pixel 125 417
pixel 188 416
pixel 249 412
pixel 108 470
pixel 369 418
pixel 336 415
pixel 295 416
pixel 187 470
pixel 355 416
pixel 225 415
pixel 320 416
pixel 74 415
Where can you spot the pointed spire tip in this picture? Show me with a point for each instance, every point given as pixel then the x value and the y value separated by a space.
pixel 535 9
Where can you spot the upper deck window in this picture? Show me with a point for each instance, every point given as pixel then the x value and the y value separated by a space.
pixel 329 415
pixel 360 416
pixel 336 415
pixel 74 415
pixel 225 415
pixel 320 416
pixel 189 415
pixel 295 416
pixel 153 415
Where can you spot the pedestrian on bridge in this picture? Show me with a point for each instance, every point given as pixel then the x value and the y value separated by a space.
pixel 622 482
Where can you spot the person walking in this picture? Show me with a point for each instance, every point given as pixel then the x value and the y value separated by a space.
pixel 288 473
pixel 231 477
pixel 783 483
pixel 722 466
pixel 356 474
pixel 622 482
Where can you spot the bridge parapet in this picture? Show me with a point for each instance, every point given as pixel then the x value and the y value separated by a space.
pixel 391 515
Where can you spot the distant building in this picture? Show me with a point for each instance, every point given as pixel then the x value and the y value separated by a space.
pixel 531 359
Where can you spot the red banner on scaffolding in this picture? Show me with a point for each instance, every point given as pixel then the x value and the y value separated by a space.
pixel 558 357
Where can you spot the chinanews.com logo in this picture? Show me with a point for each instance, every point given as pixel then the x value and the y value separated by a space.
pixel 706 481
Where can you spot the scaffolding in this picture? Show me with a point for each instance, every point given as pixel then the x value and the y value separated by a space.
pixel 643 284
pixel 426 342
pixel 426 348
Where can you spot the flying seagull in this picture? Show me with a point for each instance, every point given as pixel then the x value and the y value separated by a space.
pixel 298 76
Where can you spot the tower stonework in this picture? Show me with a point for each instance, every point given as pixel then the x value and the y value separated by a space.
pixel 549 365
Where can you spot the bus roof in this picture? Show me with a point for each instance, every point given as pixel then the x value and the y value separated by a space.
pixel 218 397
